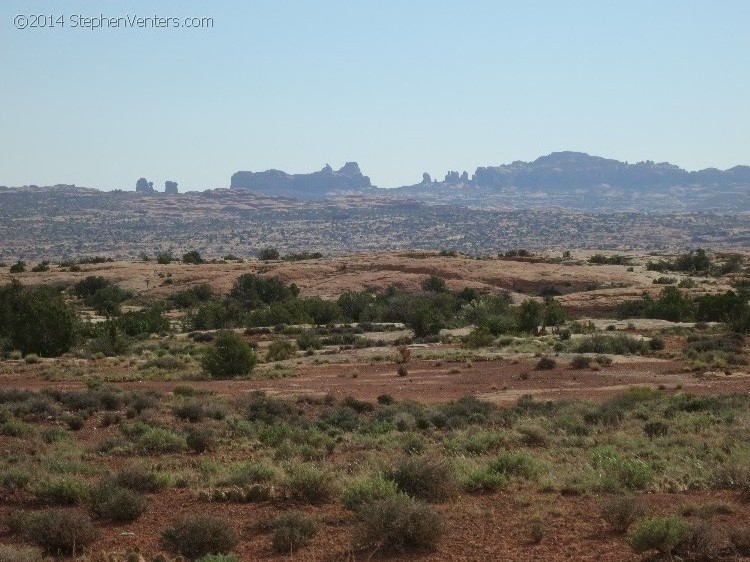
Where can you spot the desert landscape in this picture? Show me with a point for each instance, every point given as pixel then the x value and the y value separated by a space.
pixel 407 405
pixel 348 281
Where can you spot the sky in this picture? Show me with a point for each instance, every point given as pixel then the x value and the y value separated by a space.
pixel 401 87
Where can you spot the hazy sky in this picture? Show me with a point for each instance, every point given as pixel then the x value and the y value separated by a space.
pixel 402 87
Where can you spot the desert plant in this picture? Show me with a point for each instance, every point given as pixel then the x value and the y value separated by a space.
pixel 60 532
pixel 398 524
pixel 310 484
pixel 659 533
pixel 425 478
pixel 195 537
pixel 63 491
pixel 291 531
pixel 113 502
pixel 13 553
pixel 139 479
pixel 359 494
pixel 280 350
pixel 620 512
pixel 580 362
pixel 202 439
pixel 230 356
pixel 545 364
pixel 402 370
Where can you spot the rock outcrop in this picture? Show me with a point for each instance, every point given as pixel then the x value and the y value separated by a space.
pixel 317 185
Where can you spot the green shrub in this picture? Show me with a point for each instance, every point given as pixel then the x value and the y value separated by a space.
pixel 280 350
pixel 537 530
pixel 189 411
pixel 485 481
pixel 546 363
pixel 202 439
pixel 399 524
pixel 359 494
pixel 159 440
pixel 230 356
pixel 215 558
pixel 516 463
pixel 580 362
pixel 61 532
pixel 195 537
pixel 291 531
pixel 192 257
pixel 619 344
pixel 65 491
pixel 655 428
pixel 139 479
pixel 36 320
pixel 620 512
pixel 112 502
pixel 250 472
pixel 14 478
pixel 310 484
pixel 425 478
pixel 663 534
pixel 479 337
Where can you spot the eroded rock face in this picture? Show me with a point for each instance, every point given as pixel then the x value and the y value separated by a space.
pixel 316 185
pixel 144 186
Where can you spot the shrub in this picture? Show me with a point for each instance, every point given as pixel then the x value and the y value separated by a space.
pixel 516 463
pixel 359 494
pixel 61 532
pixel 310 484
pixel 194 537
pixel 580 362
pixel 402 370
pixel 485 481
pixel 537 530
pixel 291 531
pixel 655 429
pixel 202 439
pixel 656 343
pixel 248 473
pixel 12 553
pixel 659 533
pixel 158 440
pixel 268 254
pixel 479 337
pixel 546 363
pixel 426 478
pixel 280 350
pixel 230 356
pixel 110 501
pixel 213 558
pixel 308 340
pixel 385 399
pixel 36 320
pixel 619 344
pixel 138 478
pixel 620 512
pixel 65 491
pixel 193 257
pixel 398 524
pixel 189 411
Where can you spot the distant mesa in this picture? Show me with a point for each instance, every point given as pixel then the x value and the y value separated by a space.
pixel 578 170
pixel 316 185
